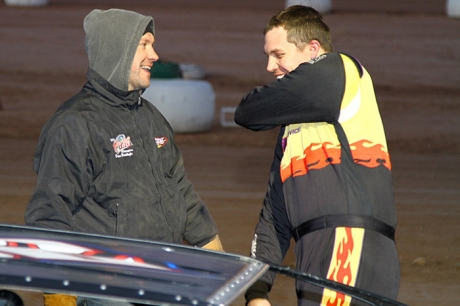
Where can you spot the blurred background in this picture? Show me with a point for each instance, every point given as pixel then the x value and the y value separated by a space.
pixel 410 48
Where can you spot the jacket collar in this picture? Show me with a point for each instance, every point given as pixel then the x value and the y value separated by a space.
pixel 110 93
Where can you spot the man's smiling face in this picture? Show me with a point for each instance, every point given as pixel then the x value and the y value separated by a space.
pixel 144 58
pixel 283 56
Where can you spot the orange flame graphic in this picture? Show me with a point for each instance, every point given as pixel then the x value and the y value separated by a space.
pixel 318 156
pixel 312 159
pixel 342 271
pixel 370 156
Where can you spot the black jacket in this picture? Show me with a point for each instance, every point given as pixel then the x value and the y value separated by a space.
pixel 107 164
pixel 106 160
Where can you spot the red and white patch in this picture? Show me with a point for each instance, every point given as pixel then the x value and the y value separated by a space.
pixel 161 141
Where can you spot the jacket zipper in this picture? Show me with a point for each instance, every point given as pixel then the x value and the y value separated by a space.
pixel 157 181
pixel 116 219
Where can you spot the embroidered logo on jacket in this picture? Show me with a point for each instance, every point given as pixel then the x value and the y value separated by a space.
pixel 122 146
pixel 317 59
pixel 161 141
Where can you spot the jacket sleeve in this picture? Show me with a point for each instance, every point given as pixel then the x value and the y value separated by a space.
pixel 200 227
pixel 63 175
pixel 272 234
pixel 310 93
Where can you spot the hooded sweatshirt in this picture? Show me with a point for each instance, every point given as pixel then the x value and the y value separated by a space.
pixel 106 161
pixel 111 41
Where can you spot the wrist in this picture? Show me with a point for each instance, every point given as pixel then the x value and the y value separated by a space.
pixel 259 290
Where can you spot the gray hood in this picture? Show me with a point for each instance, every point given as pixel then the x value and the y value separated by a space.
pixel 111 41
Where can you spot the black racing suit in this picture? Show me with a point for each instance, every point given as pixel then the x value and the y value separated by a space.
pixel 330 185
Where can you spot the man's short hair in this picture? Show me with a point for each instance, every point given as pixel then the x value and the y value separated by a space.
pixel 302 24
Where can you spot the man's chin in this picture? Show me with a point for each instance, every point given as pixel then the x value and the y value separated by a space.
pixel 145 85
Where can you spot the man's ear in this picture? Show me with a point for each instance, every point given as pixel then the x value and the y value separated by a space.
pixel 314 49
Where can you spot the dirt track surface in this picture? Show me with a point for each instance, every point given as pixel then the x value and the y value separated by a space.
pixel 411 49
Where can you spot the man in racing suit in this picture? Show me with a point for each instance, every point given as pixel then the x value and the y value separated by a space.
pixel 330 186
pixel 106 160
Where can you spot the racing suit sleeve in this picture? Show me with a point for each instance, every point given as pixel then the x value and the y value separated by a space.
pixel 272 234
pixel 200 227
pixel 311 93
pixel 63 175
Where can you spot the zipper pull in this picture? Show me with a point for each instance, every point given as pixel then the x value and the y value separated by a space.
pixel 139 102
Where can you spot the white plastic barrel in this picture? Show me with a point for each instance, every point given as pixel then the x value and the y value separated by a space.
pixel 192 71
pixel 322 6
pixel 26 2
pixel 453 8
pixel 188 105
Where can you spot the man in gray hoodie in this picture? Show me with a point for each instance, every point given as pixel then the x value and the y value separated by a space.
pixel 106 160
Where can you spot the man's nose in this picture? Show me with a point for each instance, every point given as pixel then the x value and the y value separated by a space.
pixel 271 65
pixel 153 55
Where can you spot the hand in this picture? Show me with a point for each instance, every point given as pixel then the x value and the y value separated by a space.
pixel 50 299
pixel 214 245
pixel 259 302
